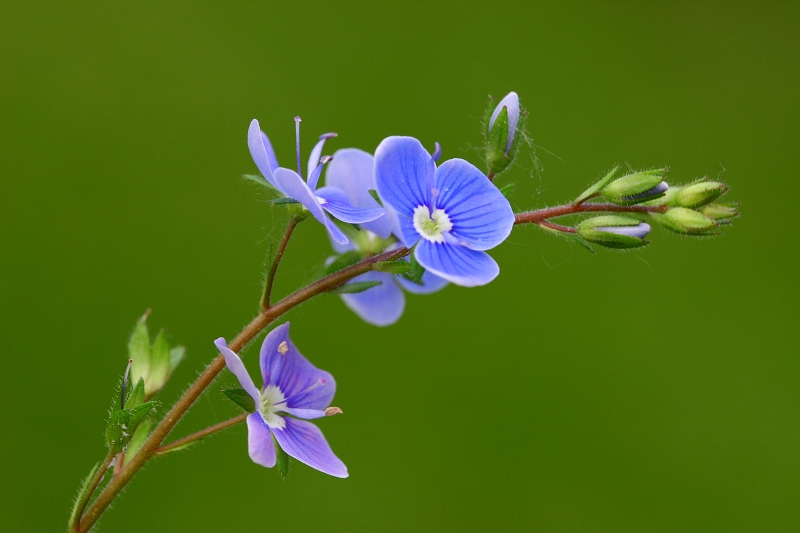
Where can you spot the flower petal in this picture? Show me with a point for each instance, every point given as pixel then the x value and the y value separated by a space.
pixel 293 186
pixel 457 264
pixel 403 171
pixel 352 171
pixel 430 283
pixel 259 441
pixel 308 414
pixel 293 373
pixel 262 153
pixel 236 366
pixel 511 103
pixel 304 441
pixel 480 213
pixel 380 306
pixel 314 157
pixel 337 204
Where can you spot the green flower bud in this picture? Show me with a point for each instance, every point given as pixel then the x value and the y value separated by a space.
pixel 502 133
pixel 153 363
pixel 698 194
pixel 614 231
pixel 636 188
pixel 720 211
pixel 686 221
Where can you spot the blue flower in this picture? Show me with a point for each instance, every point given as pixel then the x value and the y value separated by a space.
pixel 352 171
pixel 453 212
pixel 293 389
pixel 291 183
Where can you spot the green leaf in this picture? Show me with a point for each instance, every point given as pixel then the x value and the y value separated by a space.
pixel 393 267
pixel 282 460
pixel 508 189
pixel 355 287
pixel 343 261
pixel 496 158
pixel 284 201
pixel 136 396
pixel 258 179
pixel 241 398
pixel 139 436
pixel 374 194
pixel 159 364
pixel 596 188
pixel 417 270
pixel 139 351
pixel 176 355
pixel 123 424
pixel 81 497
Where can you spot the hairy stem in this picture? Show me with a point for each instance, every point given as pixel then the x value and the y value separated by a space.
pixel 260 322
pixel 542 215
pixel 273 269
pixel 201 434
pixel 74 525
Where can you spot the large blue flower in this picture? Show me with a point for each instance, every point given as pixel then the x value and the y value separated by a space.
pixel 453 212
pixel 293 389
pixel 291 183
pixel 352 171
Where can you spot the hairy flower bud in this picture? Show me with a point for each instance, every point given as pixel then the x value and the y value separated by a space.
pixel 636 188
pixel 686 221
pixel 720 211
pixel 698 194
pixel 502 138
pixel 614 231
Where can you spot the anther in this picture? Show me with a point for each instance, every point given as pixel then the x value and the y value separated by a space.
pixel 330 411
pixel 283 348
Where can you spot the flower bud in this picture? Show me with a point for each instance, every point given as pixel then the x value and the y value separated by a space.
pixel 153 363
pixel 686 221
pixel 698 194
pixel 721 212
pixel 502 133
pixel 636 188
pixel 614 231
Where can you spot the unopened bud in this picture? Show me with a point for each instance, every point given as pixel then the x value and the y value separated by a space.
pixel 502 133
pixel 720 211
pixel 330 411
pixel 686 221
pixel 614 231
pixel 698 194
pixel 636 188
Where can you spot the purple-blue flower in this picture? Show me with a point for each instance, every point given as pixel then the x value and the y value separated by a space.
pixel 454 212
pixel 294 389
pixel 291 183
pixel 352 171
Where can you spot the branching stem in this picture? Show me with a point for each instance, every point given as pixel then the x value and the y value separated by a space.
pixel 201 434
pixel 273 269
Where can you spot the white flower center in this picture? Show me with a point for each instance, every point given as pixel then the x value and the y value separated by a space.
pixel 270 404
pixel 431 226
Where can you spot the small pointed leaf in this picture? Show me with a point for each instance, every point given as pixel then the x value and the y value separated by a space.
pixel 284 201
pixel 508 189
pixel 596 188
pixel 241 398
pixel 258 179
pixel 355 287
pixel 580 240
pixel 136 396
pixel 282 460
pixel 393 267
pixel 374 194
pixel 343 261
pixel 81 497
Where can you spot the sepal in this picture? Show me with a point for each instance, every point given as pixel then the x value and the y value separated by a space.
pixel 698 194
pixel 123 423
pixel 595 189
pixel 637 187
pixel 504 126
pixel 393 267
pixel 686 221
pixel 614 231
pixel 354 287
pixel 241 398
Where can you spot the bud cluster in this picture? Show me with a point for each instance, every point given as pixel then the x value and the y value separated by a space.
pixel 691 209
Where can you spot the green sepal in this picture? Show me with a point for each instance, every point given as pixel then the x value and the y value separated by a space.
pixel 588 230
pixel 241 398
pixel 343 261
pixel 159 364
pixel 283 201
pixel 176 355
pixel 139 436
pixel 123 424
pixel 136 396
pixel 580 240
pixel 508 189
pixel 496 159
pixel 297 211
pixel 355 287
pixel 595 189
pixel 81 497
pixel 374 194
pixel 698 194
pixel 417 270
pixel 628 189
pixel 720 212
pixel 281 460
pixel 686 222
pixel 139 350
pixel 260 180
pixel 392 267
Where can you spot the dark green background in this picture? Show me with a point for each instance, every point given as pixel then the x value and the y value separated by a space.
pixel 654 390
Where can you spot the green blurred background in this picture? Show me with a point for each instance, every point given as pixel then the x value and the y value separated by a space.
pixel 654 390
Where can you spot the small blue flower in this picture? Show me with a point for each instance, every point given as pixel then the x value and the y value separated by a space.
pixel 293 389
pixel 291 183
pixel 352 171
pixel 453 211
